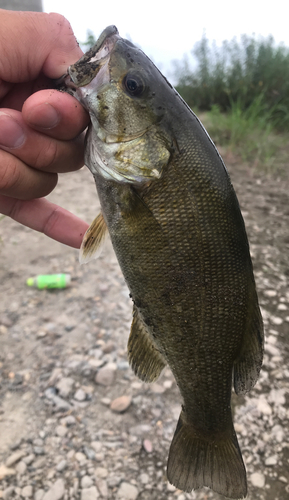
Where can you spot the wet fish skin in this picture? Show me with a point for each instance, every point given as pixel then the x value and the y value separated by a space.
pixel 179 236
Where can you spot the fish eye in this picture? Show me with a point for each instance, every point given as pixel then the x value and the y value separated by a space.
pixel 134 85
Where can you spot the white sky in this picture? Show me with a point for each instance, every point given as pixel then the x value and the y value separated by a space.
pixel 166 30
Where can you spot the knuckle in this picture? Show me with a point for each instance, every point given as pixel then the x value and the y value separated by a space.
pixel 46 158
pixel 9 176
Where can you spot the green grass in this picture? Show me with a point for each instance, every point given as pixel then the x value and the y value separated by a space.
pixel 250 134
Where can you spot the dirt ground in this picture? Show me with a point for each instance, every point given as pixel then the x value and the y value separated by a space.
pixel 60 437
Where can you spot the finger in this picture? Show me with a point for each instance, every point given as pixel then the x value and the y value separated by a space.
pixel 56 114
pixel 38 150
pixel 46 217
pixel 32 43
pixel 20 181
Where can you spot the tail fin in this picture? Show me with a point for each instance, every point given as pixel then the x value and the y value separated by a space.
pixel 195 462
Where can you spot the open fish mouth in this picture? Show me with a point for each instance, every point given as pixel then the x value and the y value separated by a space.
pixel 85 69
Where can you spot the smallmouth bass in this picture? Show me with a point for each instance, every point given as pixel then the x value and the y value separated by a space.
pixel 179 236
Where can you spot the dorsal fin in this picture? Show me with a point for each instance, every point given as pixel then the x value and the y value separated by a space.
pixel 93 240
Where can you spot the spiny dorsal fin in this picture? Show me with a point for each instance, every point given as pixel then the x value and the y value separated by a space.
pixel 143 355
pixel 93 240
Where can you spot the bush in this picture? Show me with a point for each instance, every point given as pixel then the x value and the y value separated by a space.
pixel 238 73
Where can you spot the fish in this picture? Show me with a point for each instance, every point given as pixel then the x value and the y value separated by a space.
pixel 175 224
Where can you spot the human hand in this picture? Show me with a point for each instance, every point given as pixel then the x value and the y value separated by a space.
pixel 45 137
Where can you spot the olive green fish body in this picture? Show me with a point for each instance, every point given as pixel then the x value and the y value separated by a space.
pixel 179 236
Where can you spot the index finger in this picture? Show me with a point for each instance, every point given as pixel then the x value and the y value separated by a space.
pixel 35 42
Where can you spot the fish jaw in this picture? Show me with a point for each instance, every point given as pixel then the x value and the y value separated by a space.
pixel 119 146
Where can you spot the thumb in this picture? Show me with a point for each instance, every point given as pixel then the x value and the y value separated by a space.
pixel 32 43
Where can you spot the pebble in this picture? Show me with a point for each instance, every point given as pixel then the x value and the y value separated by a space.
pixel 65 386
pixel 127 491
pixel 258 480
pixel 86 482
pixel 80 457
pixel 8 492
pixel 15 457
pixel 27 491
pixel 144 478
pixel 39 494
pixel 147 445
pixel 68 421
pixel 21 467
pixel 276 320
pixel 56 492
pixel 89 493
pixel 61 431
pixel 264 407
pixel 39 450
pixel 80 395
pixel 101 472
pixel 61 466
pixel 102 488
pixel 105 376
pixel 121 404
pixel 273 460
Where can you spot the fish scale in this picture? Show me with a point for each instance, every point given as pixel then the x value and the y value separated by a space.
pixel 179 236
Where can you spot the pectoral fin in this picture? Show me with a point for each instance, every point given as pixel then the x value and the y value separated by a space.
pixel 144 357
pixel 93 240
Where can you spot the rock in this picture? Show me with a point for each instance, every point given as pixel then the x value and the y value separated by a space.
pixel 144 478
pixel 121 404
pixel 101 472
pixel 39 494
pixel 273 460
pixel 21 467
pixel 127 491
pixel 27 491
pixel 56 492
pixel 258 480
pixel 15 457
pixel 61 466
pixel 86 482
pixel 105 376
pixel 147 445
pixel 102 487
pixel 15 445
pixel 80 395
pixel 90 454
pixel 68 421
pixel 39 450
pixel 264 407
pixel 6 471
pixel 61 404
pixel 89 493
pixel 8 493
pixel 29 459
pixel 80 457
pixel 65 386
pixel 61 431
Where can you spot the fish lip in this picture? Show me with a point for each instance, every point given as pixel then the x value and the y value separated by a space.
pixel 86 68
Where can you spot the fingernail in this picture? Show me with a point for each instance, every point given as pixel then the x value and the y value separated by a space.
pixel 43 116
pixel 11 133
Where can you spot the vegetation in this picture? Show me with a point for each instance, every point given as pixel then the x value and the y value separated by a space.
pixel 244 87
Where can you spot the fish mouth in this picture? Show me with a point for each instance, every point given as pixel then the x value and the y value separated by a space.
pixel 88 66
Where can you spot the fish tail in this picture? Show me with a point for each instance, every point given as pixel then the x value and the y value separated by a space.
pixel 195 461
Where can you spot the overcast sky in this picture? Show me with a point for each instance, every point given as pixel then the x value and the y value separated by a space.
pixel 166 30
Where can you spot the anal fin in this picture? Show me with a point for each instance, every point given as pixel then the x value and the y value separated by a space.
pixel 248 364
pixel 144 357
pixel 93 240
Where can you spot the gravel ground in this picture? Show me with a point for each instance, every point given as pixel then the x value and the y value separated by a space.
pixel 74 420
